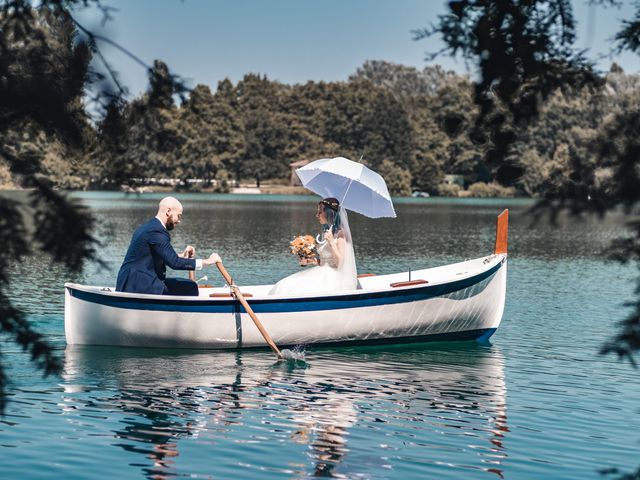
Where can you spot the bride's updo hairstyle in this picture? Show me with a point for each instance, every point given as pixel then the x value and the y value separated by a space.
pixel 331 207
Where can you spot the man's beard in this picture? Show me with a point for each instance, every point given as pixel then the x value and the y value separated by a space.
pixel 169 225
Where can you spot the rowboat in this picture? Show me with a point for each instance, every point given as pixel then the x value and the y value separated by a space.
pixel 460 301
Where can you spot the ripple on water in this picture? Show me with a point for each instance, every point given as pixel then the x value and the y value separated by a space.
pixel 376 405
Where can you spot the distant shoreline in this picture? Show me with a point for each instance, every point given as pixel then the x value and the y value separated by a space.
pixel 264 189
pixel 267 190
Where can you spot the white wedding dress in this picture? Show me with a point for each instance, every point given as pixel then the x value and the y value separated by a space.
pixel 329 276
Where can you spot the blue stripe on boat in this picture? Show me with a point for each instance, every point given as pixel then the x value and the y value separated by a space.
pixel 356 300
pixel 480 335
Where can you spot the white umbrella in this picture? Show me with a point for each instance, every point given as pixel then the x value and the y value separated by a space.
pixel 357 187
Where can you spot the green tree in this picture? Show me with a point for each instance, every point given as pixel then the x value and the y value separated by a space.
pixel 109 153
pixel 153 130
pixel 47 48
pixel 398 179
pixel 453 112
pixel 569 120
pixel 367 121
pixel 258 101
pixel 431 148
pixel 534 171
pixel 302 107
pixel 43 72
pixel 404 81
pixel 265 137
pixel 524 52
pixel 229 129
pixel 6 180
pixel 212 134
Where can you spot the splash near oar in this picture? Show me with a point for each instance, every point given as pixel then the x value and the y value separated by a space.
pixel 295 355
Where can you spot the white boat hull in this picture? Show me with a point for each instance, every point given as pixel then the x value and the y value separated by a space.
pixel 460 302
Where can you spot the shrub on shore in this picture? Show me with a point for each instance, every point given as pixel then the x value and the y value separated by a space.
pixel 449 190
pixel 6 180
pixel 490 190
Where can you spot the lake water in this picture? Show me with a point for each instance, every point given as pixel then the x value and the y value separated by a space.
pixel 536 402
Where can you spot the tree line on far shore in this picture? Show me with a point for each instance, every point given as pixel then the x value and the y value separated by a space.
pixel 412 126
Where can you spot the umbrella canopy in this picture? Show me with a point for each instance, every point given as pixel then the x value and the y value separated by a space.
pixel 357 187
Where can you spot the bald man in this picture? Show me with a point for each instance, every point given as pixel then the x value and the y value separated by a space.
pixel 150 252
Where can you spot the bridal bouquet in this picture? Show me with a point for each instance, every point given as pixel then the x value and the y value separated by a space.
pixel 304 246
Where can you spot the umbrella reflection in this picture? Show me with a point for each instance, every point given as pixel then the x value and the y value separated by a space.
pixel 170 399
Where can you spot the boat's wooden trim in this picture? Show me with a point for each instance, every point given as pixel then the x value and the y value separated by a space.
pixel 228 295
pixel 502 232
pixel 365 275
pixel 407 283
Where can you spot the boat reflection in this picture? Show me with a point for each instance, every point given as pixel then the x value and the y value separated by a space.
pixel 168 398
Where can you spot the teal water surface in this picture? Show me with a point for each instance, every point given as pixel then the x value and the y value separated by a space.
pixel 535 402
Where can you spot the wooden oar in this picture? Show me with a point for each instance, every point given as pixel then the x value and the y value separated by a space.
pixel 238 294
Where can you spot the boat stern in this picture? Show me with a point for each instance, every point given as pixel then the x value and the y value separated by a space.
pixel 68 315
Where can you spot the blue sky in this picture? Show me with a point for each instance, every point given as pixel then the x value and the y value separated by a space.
pixel 294 41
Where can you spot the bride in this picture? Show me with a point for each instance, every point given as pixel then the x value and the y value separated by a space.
pixel 335 266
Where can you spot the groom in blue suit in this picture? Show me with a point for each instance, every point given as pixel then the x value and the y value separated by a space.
pixel 150 252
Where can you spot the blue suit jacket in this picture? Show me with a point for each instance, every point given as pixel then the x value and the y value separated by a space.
pixel 144 266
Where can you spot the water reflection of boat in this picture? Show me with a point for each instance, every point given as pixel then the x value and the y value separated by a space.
pixel 461 301
pixel 170 398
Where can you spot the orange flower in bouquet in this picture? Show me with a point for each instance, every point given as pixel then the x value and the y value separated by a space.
pixel 304 246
